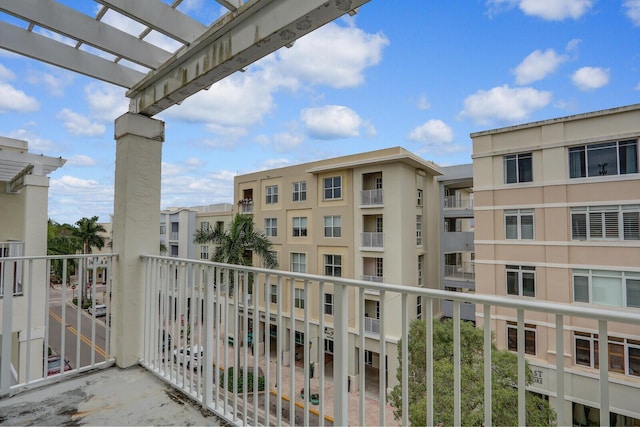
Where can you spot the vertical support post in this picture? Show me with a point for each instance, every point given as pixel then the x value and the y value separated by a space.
pixel 457 388
pixel 487 367
pixel 522 381
pixel 340 374
pixel 136 222
pixel 603 350
pixel 560 369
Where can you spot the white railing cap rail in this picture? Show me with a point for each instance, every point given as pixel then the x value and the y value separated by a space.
pixel 595 313
pixel 66 256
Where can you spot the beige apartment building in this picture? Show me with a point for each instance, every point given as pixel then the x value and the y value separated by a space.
pixel 557 206
pixel 372 216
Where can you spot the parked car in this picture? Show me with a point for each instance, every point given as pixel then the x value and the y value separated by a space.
pixel 53 365
pixel 100 309
pixel 188 356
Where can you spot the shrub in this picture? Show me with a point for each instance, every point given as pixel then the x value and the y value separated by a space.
pixel 228 383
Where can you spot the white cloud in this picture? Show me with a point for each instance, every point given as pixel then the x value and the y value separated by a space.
pixel 36 144
pixel 72 198
pixel 503 103
pixel 107 102
pixel 12 99
pixel 55 82
pixel 537 65
pixel 432 131
pixel 551 10
pixel 81 160
pixel 588 78
pixel 77 124
pixel 638 86
pixel 331 122
pixel 423 103
pixel 287 141
pixel 633 10
pixel 333 55
pixel 6 74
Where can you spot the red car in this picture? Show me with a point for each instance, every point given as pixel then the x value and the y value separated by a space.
pixel 53 365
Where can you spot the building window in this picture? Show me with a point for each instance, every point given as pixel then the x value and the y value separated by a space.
pixel 368 357
pixel 379 269
pixel 204 252
pixel 521 280
pixel 529 337
pixel 419 307
pixel 328 346
pixel 332 226
pixel 420 195
pixel 518 224
pixel 299 191
pixel 299 298
pixel 328 304
pixel 333 265
pixel 271 194
pixel 420 269
pixel 271 227
pixel 606 223
pixel 274 294
pixel 298 262
pixel 163 229
pixel 609 158
pixel 604 287
pixel 219 226
pixel 299 226
pixel 624 354
pixel 418 229
pixel 333 188
pixel 518 168
pixel 204 226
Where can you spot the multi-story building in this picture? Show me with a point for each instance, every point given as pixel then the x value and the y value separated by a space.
pixel 372 216
pixel 557 211
pixel 457 233
pixel 216 216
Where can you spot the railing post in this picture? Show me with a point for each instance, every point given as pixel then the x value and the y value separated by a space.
pixel 340 373
pixel 7 317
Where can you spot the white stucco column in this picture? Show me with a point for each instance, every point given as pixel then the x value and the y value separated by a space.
pixel 136 227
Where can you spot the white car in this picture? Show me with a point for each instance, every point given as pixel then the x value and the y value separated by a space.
pixel 188 356
pixel 100 309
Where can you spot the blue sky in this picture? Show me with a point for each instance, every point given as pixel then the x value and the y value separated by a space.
pixel 418 74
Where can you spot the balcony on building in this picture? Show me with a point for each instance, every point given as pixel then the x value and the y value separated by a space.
pixel 372 237
pixel 371 194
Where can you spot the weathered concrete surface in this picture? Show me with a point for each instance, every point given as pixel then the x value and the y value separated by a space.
pixel 113 396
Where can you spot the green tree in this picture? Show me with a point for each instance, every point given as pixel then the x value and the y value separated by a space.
pixel 504 374
pixel 60 241
pixel 86 232
pixel 238 242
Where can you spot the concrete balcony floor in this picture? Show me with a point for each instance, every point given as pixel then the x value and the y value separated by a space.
pixel 111 396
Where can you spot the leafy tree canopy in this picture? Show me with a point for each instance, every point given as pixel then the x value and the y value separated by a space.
pixel 504 375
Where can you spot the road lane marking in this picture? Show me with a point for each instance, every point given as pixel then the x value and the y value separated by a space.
pixel 74 331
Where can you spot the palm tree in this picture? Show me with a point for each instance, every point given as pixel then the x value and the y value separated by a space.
pixel 60 241
pixel 86 231
pixel 236 244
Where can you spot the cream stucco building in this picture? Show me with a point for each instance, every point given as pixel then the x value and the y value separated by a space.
pixel 557 207
pixel 372 216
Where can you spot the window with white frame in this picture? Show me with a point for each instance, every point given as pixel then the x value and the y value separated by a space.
pixel 299 298
pixel 271 194
pixel 420 269
pixel 601 159
pixel 420 196
pixel 605 222
pixel 204 252
pixel 271 227
pixel 299 337
pixel 298 262
pixel 204 226
pixel 333 226
pixel 607 287
pixel 368 357
pixel 521 280
pixel 328 304
pixel 333 188
pixel 518 224
pixel 419 307
pixel 518 168
pixel 299 191
pixel 529 337
pixel 299 226
pixel 624 353
pixel 163 229
pixel 418 229
pixel 379 267
pixel 328 346
pixel 333 265
pixel 274 294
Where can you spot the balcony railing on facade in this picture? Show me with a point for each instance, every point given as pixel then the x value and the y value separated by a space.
pixel 371 197
pixel 463 271
pixel 454 202
pixel 372 239
pixel 186 306
pixel 245 206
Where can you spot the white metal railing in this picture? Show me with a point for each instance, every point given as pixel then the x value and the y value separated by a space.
pixel 371 197
pixel 285 365
pixel 372 239
pixel 43 320
pixel 371 278
pixel 11 272
pixel 463 271
pixel 453 202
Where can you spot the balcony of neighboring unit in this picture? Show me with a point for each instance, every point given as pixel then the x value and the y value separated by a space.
pixel 372 240
pixel 371 194
pixel 456 202
pixel 372 325
pixel 467 309
pixel 462 271
pixel 245 206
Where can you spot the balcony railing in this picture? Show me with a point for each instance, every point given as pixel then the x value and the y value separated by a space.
pixel 185 306
pixel 464 271
pixel 372 239
pixel 370 278
pixel 371 197
pixel 245 206
pixel 453 202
